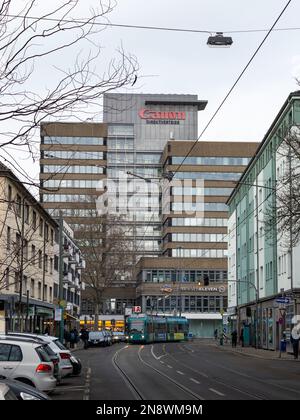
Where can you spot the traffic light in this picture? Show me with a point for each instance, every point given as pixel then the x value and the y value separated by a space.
pixel 206 280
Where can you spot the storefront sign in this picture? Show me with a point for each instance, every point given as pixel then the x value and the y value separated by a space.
pixel 57 315
pixel 220 289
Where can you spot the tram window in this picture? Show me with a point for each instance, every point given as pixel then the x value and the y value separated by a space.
pixel 205 304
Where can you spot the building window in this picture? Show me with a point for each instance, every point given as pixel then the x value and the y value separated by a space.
pixel 39 290
pixel 50 294
pixel 46 262
pixel 34 220
pixel 52 236
pixel 45 293
pixel 33 254
pixel 51 265
pixel 6 279
pixel 18 205
pixel 46 233
pixel 26 256
pixel 9 196
pixel 32 288
pixel 56 262
pixel 24 285
pixel 26 213
pixel 40 259
pixel 8 241
pixel 41 227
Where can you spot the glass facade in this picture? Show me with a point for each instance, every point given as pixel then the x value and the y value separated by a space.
pixel 72 183
pixel 72 154
pixel 61 198
pixel 196 303
pixel 98 141
pixel 197 221
pixel 190 276
pixel 198 253
pixel 73 169
pixel 209 160
pixel 221 176
pixel 199 207
pixel 182 191
pixel 196 237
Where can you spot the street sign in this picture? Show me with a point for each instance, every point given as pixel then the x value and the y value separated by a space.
pixel 57 314
pixel 283 300
pixel 137 309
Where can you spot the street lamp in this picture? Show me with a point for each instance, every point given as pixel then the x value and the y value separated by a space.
pixel 218 40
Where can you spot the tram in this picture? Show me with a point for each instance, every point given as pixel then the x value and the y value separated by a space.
pixel 150 328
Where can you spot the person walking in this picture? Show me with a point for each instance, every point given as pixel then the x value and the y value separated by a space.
pixel 72 338
pixel 234 338
pixel 216 333
pixel 242 337
pixel 84 335
pixel 295 336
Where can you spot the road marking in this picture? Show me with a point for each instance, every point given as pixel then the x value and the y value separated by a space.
pixel 180 373
pixel 86 395
pixel 170 367
pixel 195 380
pixel 217 392
pixel 162 362
pixel 154 355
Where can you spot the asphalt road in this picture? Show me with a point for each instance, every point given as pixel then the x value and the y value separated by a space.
pixel 178 371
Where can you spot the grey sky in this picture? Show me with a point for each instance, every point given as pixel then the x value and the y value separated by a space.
pixel 176 62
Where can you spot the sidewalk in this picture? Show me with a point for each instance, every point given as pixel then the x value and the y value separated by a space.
pixel 259 353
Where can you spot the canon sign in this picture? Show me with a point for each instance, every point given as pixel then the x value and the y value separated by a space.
pixel 148 114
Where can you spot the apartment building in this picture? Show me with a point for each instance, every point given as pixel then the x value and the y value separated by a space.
pixel 263 280
pixel 28 259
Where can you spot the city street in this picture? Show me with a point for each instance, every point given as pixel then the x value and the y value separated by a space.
pixel 179 371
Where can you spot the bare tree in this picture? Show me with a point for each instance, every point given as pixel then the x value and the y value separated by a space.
pixel 34 36
pixel 108 254
pixel 283 211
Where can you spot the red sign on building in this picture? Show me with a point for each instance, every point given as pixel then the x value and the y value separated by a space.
pixel 148 114
pixel 137 309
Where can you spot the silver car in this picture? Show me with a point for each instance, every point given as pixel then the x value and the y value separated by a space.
pixel 26 361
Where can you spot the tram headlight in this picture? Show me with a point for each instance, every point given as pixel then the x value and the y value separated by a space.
pixel 143 336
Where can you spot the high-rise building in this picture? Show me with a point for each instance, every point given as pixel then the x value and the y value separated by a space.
pixel 139 125
pixel 190 278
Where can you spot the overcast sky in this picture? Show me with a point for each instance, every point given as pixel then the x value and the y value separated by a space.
pixel 178 62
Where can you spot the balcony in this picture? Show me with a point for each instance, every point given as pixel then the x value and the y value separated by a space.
pixel 68 278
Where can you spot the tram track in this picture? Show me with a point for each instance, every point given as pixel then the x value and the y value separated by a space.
pixel 214 379
pixel 173 381
pixel 130 384
pixel 135 390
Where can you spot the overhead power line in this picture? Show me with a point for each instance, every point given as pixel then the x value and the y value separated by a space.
pixel 153 28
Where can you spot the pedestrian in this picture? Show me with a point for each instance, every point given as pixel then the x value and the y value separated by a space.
pixel 72 338
pixel 295 336
pixel 66 337
pixel 242 337
pixel 84 335
pixel 216 333
pixel 234 338
pixel 37 330
pixel 47 330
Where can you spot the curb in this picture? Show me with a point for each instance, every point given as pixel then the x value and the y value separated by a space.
pixel 255 355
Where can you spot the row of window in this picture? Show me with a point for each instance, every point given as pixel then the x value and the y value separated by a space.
pixel 68 154
pixel 74 169
pixel 182 191
pixel 209 160
pixel 121 173
pixel 199 207
pixel 73 183
pixel 196 237
pixel 61 198
pixel 143 158
pixel 73 212
pixel 199 253
pixel 197 221
pixel 221 176
pixel 192 276
pixel 120 130
pixel 186 303
pixel 98 141
pixel 120 144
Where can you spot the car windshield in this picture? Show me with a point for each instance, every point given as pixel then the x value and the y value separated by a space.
pixel 59 345
pixel 49 350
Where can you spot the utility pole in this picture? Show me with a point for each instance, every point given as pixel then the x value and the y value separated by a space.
pixel 61 267
pixel 21 264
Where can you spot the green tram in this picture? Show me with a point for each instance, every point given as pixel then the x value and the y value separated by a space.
pixel 151 328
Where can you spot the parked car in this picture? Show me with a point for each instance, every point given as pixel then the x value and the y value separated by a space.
pixel 23 391
pixel 97 338
pixel 52 355
pixel 64 354
pixel 26 361
pixel 6 393
pixel 119 336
